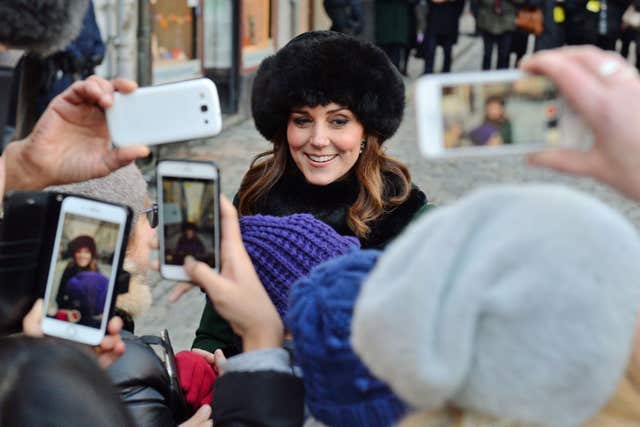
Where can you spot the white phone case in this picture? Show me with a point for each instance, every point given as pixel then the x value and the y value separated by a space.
pixel 94 210
pixel 430 120
pixel 165 113
pixel 185 169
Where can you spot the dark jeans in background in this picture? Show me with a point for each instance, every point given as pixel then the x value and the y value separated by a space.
pixel 429 45
pixel 607 42
pixel 503 43
pixel 519 44
pixel 627 37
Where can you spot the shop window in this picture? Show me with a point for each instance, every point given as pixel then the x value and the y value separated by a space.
pixel 218 34
pixel 174 41
pixel 257 40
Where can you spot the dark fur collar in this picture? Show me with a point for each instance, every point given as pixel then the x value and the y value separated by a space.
pixel 330 204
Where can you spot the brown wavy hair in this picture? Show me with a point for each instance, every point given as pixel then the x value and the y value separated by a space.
pixel 374 197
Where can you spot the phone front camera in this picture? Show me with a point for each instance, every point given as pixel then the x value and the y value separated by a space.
pixel 204 108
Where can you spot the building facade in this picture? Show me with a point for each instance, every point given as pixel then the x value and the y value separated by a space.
pixel 161 41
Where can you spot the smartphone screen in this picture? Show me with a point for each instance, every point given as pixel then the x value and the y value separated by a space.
pixel 189 218
pixel 524 111
pixel 83 270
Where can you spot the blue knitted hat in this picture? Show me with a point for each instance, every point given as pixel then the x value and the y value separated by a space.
pixel 283 249
pixel 340 391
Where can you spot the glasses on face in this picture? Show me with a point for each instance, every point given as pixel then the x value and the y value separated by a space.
pixel 152 215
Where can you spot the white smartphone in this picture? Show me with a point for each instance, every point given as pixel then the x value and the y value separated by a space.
pixel 82 274
pixel 165 113
pixel 188 197
pixel 492 113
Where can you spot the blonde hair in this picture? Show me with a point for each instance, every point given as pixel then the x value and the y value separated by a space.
pixel 622 410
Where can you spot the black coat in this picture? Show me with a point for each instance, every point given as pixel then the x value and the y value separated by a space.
pixel 330 204
pixel 144 385
pixel 258 399
pixel 583 25
pixel 553 34
pixel 443 19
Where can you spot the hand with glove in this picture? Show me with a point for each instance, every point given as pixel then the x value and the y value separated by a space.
pixel 196 377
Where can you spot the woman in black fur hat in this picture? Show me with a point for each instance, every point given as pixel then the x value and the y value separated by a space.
pixel 327 102
pixel 84 254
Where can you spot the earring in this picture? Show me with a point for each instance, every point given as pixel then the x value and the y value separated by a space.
pixel 363 144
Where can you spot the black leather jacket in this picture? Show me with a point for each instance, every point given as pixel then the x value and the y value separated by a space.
pixel 144 385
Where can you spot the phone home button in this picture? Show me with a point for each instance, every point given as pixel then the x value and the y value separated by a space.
pixel 71 331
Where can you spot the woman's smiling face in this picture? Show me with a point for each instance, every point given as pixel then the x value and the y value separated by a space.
pixel 83 257
pixel 324 141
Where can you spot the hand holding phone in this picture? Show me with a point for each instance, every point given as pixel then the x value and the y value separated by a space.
pixel 165 113
pixel 188 197
pixel 605 89
pixel 492 113
pixel 88 248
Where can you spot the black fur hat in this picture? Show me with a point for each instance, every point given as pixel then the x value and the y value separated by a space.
pixel 40 26
pixel 320 67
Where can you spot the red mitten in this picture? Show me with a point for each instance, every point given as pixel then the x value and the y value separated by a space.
pixel 62 315
pixel 196 378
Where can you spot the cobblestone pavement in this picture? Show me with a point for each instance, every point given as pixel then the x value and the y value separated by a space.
pixel 443 181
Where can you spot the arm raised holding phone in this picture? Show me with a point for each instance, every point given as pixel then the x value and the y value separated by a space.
pixel 236 291
pixel 70 142
pixel 605 90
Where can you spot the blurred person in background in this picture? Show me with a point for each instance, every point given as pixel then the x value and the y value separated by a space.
pixel 630 32
pixel 554 17
pixel 347 16
pixel 496 23
pixel 59 70
pixel 442 29
pixel 596 22
pixel 393 30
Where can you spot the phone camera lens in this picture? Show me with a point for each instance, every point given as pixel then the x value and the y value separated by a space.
pixel 204 108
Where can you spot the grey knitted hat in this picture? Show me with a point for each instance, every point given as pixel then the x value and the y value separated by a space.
pixel 125 186
pixel 519 302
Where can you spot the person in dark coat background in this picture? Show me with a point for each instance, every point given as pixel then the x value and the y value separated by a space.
pixel 442 28
pixel 596 22
pixel 631 35
pixel 392 29
pixel 347 16
pixel 554 22
pixel 189 243
pixel 59 70
pixel 496 23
